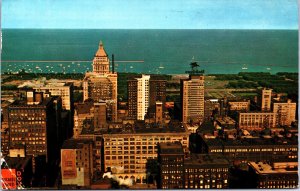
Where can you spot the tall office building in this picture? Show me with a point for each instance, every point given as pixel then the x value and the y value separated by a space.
pixel 143 93
pixel 192 98
pixel 264 99
pixel 138 97
pixel 35 123
pixel 157 91
pixel 101 84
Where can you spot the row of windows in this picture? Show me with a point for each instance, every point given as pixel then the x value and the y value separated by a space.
pixel 14 122
pixel 255 150
pixel 140 139
pixel 206 170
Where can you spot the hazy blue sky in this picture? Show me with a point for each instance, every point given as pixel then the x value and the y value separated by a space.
pixel 153 14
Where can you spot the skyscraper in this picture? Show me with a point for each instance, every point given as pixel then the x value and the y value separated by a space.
pixel 138 97
pixel 35 125
pixel 101 84
pixel 192 98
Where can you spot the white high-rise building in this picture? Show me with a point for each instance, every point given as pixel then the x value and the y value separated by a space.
pixel 138 97
pixel 143 96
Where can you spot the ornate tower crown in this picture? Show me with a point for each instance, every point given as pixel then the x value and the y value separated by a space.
pixel 101 61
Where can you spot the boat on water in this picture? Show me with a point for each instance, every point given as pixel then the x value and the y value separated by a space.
pixel 268 68
pixel 131 67
pixel 244 67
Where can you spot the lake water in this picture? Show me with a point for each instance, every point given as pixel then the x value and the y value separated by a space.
pixel 163 51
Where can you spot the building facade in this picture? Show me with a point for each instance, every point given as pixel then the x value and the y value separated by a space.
pixel 274 176
pixel 257 120
pixel 264 99
pixel 157 91
pixel 35 123
pixel 77 162
pixel 198 171
pixel 83 111
pixel 285 112
pixel 192 99
pixel 138 97
pixel 211 108
pixel 206 172
pixel 62 89
pixel 101 84
pixel 239 105
pixel 126 152
pixel 253 148
pixel 170 156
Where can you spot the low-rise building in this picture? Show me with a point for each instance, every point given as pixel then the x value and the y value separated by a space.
pixel 62 89
pixel 239 105
pixel 249 148
pixel 128 149
pixel 171 159
pixel 211 107
pixel 274 176
pixel 257 120
pixel 206 171
pixel 77 162
pixel 198 171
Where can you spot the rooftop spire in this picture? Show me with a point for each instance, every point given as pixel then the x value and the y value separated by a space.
pixel 101 52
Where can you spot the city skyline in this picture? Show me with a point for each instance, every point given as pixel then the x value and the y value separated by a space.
pixel 178 14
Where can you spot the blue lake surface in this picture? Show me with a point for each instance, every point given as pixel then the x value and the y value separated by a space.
pixel 163 51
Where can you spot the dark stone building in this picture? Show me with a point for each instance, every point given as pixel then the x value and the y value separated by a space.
pixel 246 149
pixel 35 123
pixel 157 91
pixel 196 171
pixel 171 159
pixel 206 171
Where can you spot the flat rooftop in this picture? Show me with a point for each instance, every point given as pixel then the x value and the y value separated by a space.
pixel 252 141
pixel 23 103
pixel 75 143
pixel 225 120
pixel 265 168
pixel 171 148
pixel 142 127
pixel 206 160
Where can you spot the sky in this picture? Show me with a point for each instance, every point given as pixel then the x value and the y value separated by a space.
pixel 150 14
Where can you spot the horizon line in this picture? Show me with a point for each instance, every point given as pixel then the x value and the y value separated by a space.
pixel 156 28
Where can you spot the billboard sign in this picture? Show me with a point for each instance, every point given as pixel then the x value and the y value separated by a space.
pixel 68 163
pixel 9 180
